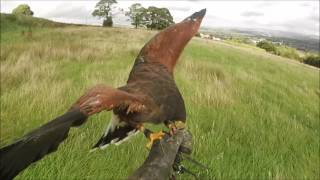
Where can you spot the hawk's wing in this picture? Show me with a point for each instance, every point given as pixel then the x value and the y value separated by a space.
pixel 17 156
pixel 102 97
pixel 166 46
pixel 107 98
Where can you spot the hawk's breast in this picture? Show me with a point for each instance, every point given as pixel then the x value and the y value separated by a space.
pixel 154 81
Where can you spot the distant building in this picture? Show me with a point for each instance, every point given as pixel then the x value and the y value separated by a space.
pixel 205 36
pixel 215 38
pixel 209 36
pixel 277 43
pixel 256 41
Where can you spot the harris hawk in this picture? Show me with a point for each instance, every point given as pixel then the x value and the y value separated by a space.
pixel 151 94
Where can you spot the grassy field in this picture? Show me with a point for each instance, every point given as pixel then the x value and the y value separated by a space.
pixel 253 115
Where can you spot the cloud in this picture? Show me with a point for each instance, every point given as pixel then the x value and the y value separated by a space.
pixel 298 26
pixel 251 14
pixel 65 10
pixel 264 4
pixel 313 17
pixel 178 8
pixel 305 4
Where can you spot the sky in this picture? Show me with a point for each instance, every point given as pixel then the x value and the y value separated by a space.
pixel 295 16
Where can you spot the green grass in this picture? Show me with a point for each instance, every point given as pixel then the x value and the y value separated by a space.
pixel 253 115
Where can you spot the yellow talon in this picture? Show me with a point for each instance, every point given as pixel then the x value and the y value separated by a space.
pixel 153 137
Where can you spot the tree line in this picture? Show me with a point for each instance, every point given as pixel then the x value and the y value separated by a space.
pixel 151 17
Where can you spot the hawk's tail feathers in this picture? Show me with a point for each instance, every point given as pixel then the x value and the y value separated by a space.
pixel 116 133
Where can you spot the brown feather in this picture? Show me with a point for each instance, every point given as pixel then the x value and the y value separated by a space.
pixel 166 47
pixel 103 97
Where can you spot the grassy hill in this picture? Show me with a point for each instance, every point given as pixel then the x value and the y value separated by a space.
pixel 253 115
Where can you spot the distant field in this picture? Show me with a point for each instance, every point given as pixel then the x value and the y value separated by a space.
pixel 253 115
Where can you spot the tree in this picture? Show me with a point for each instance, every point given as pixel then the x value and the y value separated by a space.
pixel 22 9
pixel 136 14
pixel 103 10
pixel 157 18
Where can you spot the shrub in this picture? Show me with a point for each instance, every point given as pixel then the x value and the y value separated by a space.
pixel 313 60
pixel 288 52
pixel 268 46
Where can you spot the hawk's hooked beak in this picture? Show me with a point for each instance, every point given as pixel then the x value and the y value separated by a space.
pixel 166 46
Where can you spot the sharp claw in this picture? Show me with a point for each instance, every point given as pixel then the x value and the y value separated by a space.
pixel 173 130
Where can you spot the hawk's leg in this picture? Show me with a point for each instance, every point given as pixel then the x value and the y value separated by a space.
pixel 150 135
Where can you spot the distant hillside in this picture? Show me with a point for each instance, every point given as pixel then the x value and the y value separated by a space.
pixel 298 41
pixel 10 22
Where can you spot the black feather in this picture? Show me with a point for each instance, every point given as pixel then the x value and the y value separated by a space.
pixel 117 134
pixel 15 157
